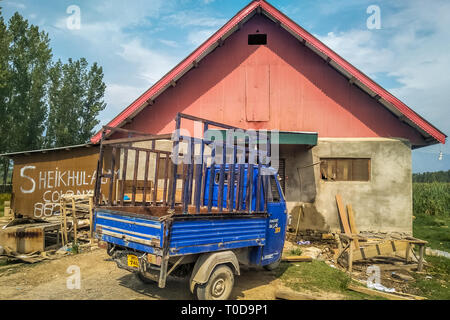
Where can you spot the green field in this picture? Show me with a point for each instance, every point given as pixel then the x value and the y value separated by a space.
pixel 431 205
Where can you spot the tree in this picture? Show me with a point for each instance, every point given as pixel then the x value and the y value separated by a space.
pixel 93 103
pixel 4 94
pixel 75 100
pixel 41 102
pixel 30 57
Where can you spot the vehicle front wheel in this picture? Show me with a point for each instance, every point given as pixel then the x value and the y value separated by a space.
pixel 219 285
pixel 273 265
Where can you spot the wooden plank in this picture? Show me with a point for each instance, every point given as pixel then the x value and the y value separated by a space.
pixel 384 248
pixel 138 139
pixel 343 215
pixel 376 293
pixel 91 219
pixel 75 222
pixel 297 259
pixel 351 220
pixel 288 294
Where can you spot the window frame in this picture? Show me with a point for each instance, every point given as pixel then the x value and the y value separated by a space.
pixel 352 159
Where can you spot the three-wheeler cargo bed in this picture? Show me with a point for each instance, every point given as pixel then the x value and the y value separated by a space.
pixel 190 234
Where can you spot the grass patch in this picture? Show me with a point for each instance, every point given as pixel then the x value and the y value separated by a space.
pixel 317 276
pixel 295 252
pixel 438 286
pixel 435 230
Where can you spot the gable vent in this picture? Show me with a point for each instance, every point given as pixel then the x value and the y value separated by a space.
pixel 257 39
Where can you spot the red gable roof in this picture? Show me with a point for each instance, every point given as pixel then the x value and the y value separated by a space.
pixel 405 113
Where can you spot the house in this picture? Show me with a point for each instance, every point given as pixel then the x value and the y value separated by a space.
pixel 263 71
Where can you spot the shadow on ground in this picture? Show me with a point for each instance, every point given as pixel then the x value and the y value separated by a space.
pixel 253 283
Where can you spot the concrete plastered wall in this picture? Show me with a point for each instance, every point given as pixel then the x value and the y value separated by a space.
pixel 383 204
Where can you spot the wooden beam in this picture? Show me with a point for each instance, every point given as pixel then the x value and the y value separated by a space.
pixel 380 249
pixel 138 139
pixel 343 215
pixel 297 259
pixel 351 220
pixel 377 293
pixel 288 294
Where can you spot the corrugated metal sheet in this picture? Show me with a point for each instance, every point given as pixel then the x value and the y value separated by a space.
pixel 137 230
pixel 197 236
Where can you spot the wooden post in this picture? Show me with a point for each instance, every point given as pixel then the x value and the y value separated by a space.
pixel 61 221
pixel 350 257
pixel 421 253
pixel 74 221
pixel 66 238
pixel 407 252
pixel 91 220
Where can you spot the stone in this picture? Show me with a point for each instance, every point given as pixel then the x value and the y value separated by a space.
pixel 401 276
pixel 313 252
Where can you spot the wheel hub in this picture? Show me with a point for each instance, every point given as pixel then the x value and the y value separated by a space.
pixel 218 287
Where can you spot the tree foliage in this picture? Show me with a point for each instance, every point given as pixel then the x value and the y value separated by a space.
pixel 438 176
pixel 75 100
pixel 43 103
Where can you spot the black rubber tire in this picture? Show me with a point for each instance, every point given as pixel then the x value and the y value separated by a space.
pixel 219 285
pixel 273 265
pixel 144 279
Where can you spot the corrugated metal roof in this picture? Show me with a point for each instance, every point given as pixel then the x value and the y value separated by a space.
pixel 25 153
pixel 340 64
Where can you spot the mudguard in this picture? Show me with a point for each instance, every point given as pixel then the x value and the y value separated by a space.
pixel 207 262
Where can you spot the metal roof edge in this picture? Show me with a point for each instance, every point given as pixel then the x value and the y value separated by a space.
pixel 12 154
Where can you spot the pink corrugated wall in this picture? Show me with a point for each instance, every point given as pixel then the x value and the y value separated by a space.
pixel 305 94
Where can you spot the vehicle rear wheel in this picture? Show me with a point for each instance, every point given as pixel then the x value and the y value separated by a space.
pixel 273 265
pixel 219 285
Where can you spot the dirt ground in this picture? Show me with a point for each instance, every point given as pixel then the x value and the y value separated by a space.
pixel 101 279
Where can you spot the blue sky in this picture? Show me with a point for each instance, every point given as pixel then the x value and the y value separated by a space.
pixel 138 41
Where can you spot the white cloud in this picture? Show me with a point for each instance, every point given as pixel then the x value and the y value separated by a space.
pixel 200 36
pixel 411 48
pixel 193 19
pixel 14 4
pixel 169 43
pixel 118 97
pixel 150 64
